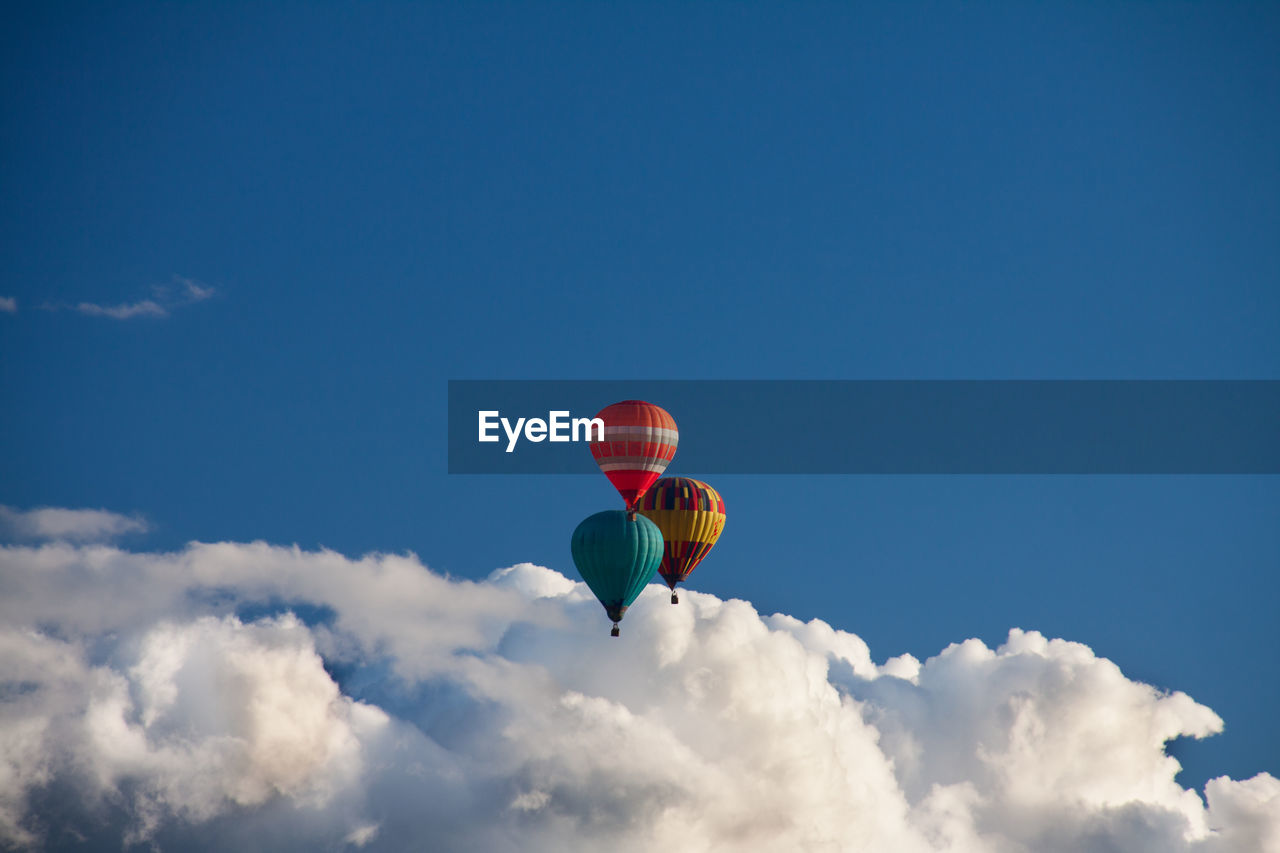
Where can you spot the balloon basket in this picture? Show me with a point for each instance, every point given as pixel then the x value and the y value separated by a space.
pixel 615 632
pixel 675 599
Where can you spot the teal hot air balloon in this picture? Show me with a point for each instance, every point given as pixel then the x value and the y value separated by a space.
pixel 617 553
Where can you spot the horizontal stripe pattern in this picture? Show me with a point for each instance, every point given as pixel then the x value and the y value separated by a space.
pixel 633 464
pixel 632 450
pixel 640 440
pixel 641 433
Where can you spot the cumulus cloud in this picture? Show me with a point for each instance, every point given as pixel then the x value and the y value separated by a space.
pixel 74 525
pixel 8 305
pixel 165 298
pixel 230 693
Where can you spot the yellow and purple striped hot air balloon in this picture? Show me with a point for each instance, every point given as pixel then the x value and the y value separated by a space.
pixel 691 516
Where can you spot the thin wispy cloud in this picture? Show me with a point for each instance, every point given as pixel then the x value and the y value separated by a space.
pixel 69 525
pixel 192 290
pixel 164 299
pixel 8 305
pixel 172 700
pixel 124 311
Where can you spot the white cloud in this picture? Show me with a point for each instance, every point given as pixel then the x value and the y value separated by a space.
pixel 124 311
pixel 8 304
pixel 216 713
pixel 193 291
pixel 211 715
pixel 362 835
pixel 73 525
pixel 170 692
pixel 165 298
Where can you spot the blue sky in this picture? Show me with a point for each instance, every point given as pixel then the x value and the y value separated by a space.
pixel 383 199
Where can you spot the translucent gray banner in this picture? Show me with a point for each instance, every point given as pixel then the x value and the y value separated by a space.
pixel 889 427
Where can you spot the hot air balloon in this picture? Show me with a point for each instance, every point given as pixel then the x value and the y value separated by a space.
pixel 639 440
pixel 691 516
pixel 616 553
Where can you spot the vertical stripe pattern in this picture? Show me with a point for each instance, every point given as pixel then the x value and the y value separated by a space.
pixel 691 516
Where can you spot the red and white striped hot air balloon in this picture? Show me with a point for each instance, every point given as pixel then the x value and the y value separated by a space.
pixel 639 441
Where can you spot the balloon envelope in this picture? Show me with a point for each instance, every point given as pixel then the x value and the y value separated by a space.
pixel 639 441
pixel 617 555
pixel 691 516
